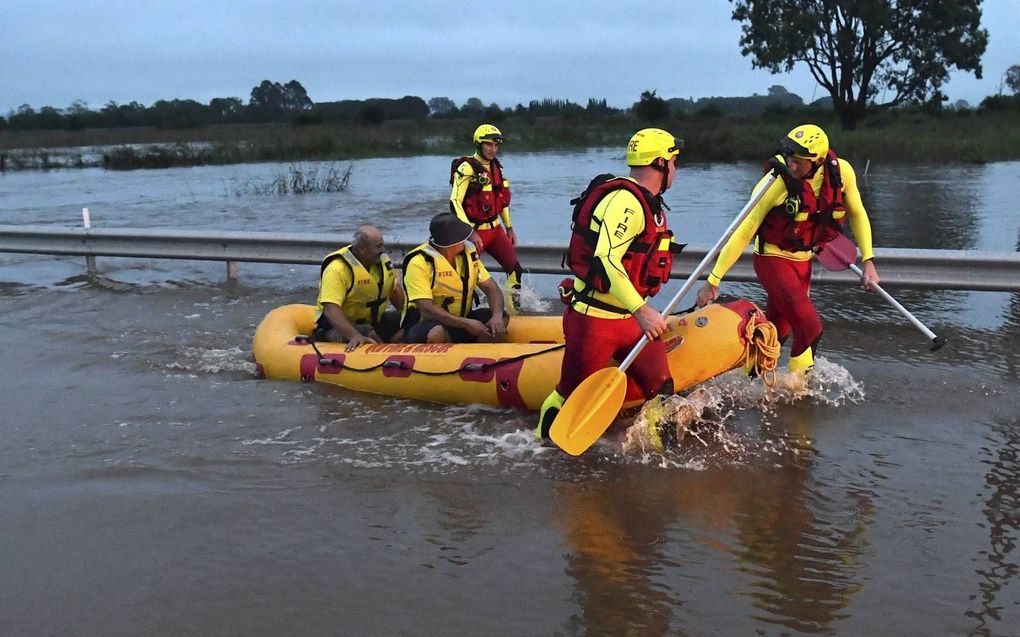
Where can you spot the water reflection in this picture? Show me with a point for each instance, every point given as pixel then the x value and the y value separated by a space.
pixel 616 549
pixel 926 206
pixel 1011 329
pixel 1002 514
pixel 645 544
pixel 461 512
pixel 803 545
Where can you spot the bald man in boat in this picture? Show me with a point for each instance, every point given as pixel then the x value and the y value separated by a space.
pixel 355 284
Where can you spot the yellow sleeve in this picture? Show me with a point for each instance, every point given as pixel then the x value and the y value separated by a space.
pixel 461 180
pixel 418 279
pixel 622 220
pixel 734 246
pixel 483 272
pixel 336 280
pixel 859 221
pixel 504 215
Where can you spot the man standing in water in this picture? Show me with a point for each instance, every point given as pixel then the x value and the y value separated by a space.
pixel 355 282
pixel 480 196
pixel 621 252
pixel 803 210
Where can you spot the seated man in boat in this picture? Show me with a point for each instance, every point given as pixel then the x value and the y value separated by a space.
pixel 440 279
pixel 355 284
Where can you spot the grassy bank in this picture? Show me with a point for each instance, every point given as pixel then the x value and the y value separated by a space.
pixel 965 137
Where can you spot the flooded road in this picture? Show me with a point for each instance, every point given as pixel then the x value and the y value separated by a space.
pixel 150 484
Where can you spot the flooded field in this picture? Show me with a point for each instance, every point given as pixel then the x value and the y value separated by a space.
pixel 150 484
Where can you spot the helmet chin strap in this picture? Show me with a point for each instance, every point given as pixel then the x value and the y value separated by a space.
pixel 814 169
pixel 665 176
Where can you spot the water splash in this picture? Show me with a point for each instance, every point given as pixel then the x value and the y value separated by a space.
pixel 445 442
pixel 533 303
pixel 213 361
pixel 676 429
pixel 732 419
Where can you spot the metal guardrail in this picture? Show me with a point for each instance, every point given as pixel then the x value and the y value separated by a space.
pixel 942 269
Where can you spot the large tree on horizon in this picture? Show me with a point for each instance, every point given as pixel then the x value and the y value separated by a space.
pixel 277 100
pixel 856 49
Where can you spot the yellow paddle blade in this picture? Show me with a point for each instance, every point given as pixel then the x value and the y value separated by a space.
pixel 589 411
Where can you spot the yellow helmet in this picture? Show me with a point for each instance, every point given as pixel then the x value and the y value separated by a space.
pixel 488 133
pixel 806 142
pixel 648 144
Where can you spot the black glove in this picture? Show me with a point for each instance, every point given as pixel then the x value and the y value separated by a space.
pixel 778 165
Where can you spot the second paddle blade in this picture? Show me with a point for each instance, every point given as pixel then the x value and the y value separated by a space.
pixel 838 254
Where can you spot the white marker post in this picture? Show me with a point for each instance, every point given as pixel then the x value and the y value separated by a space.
pixel 90 261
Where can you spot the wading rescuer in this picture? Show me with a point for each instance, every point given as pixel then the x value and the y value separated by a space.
pixel 805 209
pixel 620 252
pixel 480 196
pixel 440 278
pixel 355 284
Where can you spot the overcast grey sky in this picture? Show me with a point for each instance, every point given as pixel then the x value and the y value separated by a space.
pixel 55 52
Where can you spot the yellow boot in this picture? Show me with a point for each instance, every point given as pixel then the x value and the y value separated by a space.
pixel 550 409
pixel 748 367
pixel 796 381
pixel 801 363
pixel 513 288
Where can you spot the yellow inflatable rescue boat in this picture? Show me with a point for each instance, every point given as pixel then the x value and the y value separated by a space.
pixel 518 372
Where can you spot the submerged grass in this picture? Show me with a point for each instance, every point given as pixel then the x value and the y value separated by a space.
pixel 296 180
pixel 956 137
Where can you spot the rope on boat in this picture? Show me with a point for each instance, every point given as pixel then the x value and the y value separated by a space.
pixel 761 349
pixel 473 367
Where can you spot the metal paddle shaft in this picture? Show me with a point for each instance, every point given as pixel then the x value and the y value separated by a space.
pixel 841 253
pixel 592 406
pixel 709 256
pixel 936 341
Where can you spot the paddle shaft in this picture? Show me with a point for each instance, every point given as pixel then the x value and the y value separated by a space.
pixel 709 256
pixel 896 304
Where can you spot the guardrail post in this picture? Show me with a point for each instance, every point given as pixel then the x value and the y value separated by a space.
pixel 90 261
pixel 232 271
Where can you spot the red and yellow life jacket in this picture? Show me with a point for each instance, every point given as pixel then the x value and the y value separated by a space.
pixel 805 220
pixel 649 257
pixel 488 192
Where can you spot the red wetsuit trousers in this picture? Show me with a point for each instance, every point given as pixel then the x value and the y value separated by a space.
pixel 788 284
pixel 496 242
pixel 592 342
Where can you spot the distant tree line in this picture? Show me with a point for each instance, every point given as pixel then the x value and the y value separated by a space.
pixel 285 103
pixel 290 103
pixel 272 102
